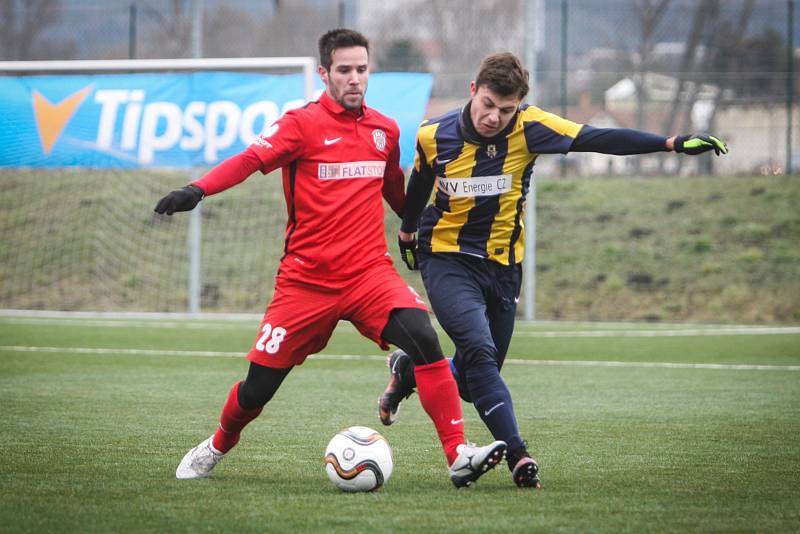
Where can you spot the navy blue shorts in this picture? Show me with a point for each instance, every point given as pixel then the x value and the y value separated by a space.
pixel 475 301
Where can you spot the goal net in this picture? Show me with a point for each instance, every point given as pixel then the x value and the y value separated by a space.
pixel 88 147
pixel 85 239
pixel 78 186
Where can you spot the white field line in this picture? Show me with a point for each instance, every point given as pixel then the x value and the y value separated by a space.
pixel 658 365
pixel 133 323
pixel 174 319
pixel 130 316
pixel 629 330
pixel 112 351
pixel 513 361
pixel 688 332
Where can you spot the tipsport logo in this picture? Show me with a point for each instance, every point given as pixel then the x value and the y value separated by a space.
pixel 51 119
pixel 131 127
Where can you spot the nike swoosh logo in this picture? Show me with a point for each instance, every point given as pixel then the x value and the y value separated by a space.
pixel 516 300
pixel 443 161
pixel 493 408
pixel 456 421
pixel 332 141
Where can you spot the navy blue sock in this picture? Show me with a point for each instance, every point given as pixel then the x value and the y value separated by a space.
pixel 493 402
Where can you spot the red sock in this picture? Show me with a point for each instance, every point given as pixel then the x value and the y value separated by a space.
pixel 233 419
pixel 438 394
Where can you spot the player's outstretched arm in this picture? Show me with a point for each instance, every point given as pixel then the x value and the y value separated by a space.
pixel 183 199
pixel 230 172
pixel 626 141
pixel 698 144
pixel 618 141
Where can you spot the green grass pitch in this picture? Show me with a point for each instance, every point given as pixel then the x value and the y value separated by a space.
pixel 98 412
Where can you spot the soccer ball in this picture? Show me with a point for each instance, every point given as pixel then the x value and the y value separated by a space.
pixel 358 459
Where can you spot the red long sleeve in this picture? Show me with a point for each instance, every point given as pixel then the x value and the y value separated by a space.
pixel 230 172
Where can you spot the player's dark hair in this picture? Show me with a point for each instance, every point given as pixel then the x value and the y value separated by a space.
pixel 503 74
pixel 338 38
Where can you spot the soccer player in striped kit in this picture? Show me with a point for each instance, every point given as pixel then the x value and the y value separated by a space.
pixel 338 159
pixel 471 237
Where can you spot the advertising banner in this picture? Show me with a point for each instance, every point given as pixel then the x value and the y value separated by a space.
pixel 169 119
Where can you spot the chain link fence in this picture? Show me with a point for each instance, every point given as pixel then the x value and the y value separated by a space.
pixel 666 66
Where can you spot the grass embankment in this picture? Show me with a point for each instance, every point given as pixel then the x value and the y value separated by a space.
pixel 709 249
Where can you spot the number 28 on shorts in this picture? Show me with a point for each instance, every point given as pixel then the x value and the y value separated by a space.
pixel 271 338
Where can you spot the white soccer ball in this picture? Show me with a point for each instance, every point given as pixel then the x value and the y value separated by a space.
pixel 358 459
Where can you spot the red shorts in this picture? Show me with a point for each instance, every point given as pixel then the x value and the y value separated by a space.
pixel 301 317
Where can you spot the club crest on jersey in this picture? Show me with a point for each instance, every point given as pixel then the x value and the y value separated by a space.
pixel 379 136
pixel 491 151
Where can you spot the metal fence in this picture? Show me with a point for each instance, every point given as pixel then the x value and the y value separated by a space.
pixel 667 66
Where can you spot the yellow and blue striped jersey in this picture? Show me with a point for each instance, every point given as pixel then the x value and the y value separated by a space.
pixel 481 184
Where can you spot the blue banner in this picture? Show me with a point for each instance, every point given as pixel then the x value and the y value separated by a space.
pixel 169 120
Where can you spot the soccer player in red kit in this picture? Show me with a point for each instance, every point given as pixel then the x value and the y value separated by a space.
pixel 338 158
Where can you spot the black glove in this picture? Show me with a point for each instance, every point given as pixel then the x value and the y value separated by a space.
pixel 183 199
pixel 408 252
pixel 698 143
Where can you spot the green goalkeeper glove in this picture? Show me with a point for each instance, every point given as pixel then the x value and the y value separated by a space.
pixel 183 199
pixel 408 252
pixel 698 143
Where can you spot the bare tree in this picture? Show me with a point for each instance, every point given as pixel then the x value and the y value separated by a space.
pixel 648 13
pixel 707 12
pixel 453 35
pixel 226 33
pixel 736 44
pixel 167 29
pixel 26 30
pixel 705 16
pixel 730 47
pixel 277 33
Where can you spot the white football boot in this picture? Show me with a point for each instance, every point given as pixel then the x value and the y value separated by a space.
pixel 473 461
pixel 199 461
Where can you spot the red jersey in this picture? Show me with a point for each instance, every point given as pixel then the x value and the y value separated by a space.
pixel 336 165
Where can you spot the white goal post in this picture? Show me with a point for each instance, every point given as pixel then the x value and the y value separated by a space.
pixel 73 233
